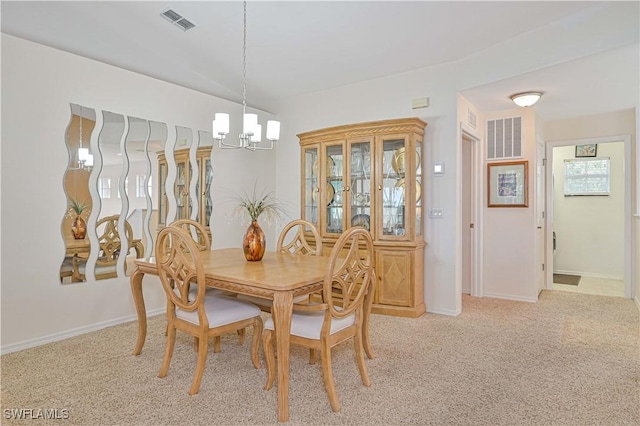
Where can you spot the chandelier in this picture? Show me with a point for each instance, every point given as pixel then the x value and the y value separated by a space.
pixel 85 160
pixel 251 134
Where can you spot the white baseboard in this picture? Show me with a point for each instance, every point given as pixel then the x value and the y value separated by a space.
pixel 604 276
pixel 26 344
pixel 448 312
pixel 511 297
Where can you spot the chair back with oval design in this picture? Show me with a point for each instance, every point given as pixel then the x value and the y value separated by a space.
pixel 293 239
pixel 198 232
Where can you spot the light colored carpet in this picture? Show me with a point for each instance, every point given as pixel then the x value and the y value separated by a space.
pixel 570 359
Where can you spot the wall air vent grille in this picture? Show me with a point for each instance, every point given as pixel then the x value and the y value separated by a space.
pixel 504 138
pixel 177 19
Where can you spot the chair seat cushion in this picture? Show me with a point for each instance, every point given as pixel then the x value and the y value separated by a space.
pixel 309 324
pixel 221 311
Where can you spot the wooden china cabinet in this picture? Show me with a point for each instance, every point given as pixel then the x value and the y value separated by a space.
pixel 182 185
pixel 370 175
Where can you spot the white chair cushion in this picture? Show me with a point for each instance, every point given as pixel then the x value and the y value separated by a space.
pixel 309 324
pixel 221 310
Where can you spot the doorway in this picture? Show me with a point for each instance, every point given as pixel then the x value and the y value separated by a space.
pixel 469 216
pixel 579 224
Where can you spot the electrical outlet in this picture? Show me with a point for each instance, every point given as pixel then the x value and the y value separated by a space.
pixel 436 213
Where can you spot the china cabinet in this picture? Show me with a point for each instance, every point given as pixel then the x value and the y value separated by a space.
pixel 370 175
pixel 184 174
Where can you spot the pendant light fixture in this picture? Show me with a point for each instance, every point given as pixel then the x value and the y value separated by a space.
pixel 251 134
pixel 85 160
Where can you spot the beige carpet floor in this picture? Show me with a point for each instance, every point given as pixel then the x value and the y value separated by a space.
pixel 570 359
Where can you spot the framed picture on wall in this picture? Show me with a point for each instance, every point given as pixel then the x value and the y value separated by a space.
pixel 507 184
pixel 587 150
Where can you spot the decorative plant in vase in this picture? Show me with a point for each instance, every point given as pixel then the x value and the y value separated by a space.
pixel 255 243
pixel 79 225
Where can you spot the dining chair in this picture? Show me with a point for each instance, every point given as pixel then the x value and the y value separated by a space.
pixel 197 232
pixel 293 240
pixel 110 245
pixel 201 237
pixel 321 326
pixel 203 316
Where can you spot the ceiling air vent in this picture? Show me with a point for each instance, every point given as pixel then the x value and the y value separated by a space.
pixel 177 19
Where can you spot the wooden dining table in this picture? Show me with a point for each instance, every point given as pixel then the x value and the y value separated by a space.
pixel 278 276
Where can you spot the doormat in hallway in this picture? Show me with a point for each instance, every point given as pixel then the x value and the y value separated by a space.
pixel 566 279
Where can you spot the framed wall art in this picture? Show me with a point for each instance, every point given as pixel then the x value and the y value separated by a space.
pixel 587 150
pixel 507 184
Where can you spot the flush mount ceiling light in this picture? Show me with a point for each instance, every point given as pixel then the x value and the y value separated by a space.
pixel 526 99
pixel 251 131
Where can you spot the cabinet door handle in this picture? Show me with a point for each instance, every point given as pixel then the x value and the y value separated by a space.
pixel 379 187
pixel 347 188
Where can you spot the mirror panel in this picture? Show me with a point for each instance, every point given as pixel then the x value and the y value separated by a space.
pixel 76 188
pixel 156 143
pixel 206 177
pixel 136 195
pixel 109 177
pixel 184 172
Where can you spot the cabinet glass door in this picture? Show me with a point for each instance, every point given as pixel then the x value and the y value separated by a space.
pixel 162 195
pixel 394 164
pixel 182 191
pixel 359 195
pixel 333 196
pixel 206 203
pixel 311 185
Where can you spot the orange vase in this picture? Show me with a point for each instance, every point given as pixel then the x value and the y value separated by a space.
pixel 79 228
pixel 254 243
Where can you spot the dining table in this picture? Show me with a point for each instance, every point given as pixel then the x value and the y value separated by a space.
pixel 279 277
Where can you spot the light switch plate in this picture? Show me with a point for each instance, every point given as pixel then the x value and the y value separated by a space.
pixel 436 213
pixel 438 168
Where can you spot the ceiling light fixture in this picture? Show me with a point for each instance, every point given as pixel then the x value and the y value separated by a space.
pixel 526 99
pixel 251 131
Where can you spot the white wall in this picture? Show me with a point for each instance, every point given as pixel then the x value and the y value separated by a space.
pixel 590 230
pixel 509 233
pixel 38 84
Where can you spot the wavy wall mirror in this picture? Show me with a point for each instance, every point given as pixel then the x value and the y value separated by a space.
pixel 112 201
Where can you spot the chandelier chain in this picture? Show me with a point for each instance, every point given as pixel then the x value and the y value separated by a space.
pixel 80 126
pixel 244 59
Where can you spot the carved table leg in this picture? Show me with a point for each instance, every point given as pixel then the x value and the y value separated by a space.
pixel 136 291
pixel 281 311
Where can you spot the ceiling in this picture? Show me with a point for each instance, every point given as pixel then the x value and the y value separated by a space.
pixel 298 47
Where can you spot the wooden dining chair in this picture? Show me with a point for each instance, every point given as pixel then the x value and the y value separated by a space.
pixel 197 232
pixel 203 316
pixel 321 326
pixel 110 249
pixel 293 240
pixel 201 237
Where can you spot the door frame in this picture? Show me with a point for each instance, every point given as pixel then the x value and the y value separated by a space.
pixel 628 228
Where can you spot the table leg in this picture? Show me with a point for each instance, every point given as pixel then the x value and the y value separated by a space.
pixel 136 291
pixel 281 311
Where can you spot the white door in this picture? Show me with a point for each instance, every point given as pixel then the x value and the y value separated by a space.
pixel 540 212
pixel 467 214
